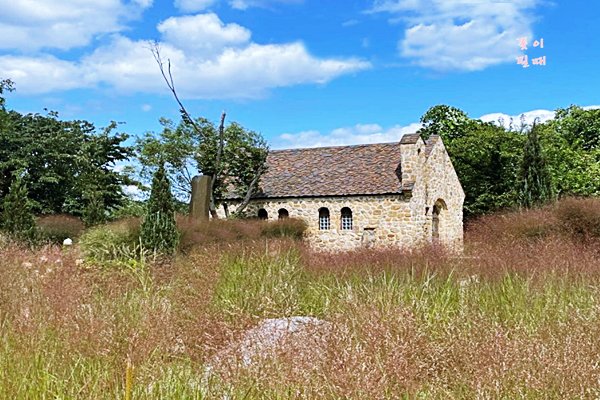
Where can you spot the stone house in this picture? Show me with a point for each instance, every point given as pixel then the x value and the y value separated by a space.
pixel 390 194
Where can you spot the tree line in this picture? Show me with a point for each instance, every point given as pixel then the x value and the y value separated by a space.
pixel 522 165
pixel 49 165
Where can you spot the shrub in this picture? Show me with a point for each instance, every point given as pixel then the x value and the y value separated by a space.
pixel 534 182
pixel 129 209
pixel 197 232
pixel 567 219
pixel 18 219
pixel 535 223
pixel 159 229
pixel 579 218
pixel 525 224
pixel 289 227
pixel 94 212
pixel 114 242
pixel 56 228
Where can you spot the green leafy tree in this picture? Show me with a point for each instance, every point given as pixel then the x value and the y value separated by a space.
pixel 159 228
pixel 63 160
pixel 249 157
pixel 17 217
pixel 486 160
pixel 187 148
pixel 485 156
pixel 446 121
pixel 534 181
pixel 571 141
pixel 6 85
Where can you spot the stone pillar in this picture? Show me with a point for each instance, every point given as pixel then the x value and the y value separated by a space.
pixel 200 202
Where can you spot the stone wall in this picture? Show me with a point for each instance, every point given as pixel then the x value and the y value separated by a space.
pixel 436 185
pixel 386 218
pixel 401 220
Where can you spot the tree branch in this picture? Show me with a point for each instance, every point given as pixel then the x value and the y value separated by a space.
pixel 155 49
pixel 220 152
pixel 213 210
pixel 250 192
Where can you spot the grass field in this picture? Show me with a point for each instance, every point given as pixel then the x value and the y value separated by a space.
pixel 515 316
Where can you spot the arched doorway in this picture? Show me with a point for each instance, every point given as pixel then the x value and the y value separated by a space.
pixel 435 219
pixel 435 224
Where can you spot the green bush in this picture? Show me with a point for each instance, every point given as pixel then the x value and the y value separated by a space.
pixel 55 228
pixel 94 212
pixel 579 217
pixel 17 218
pixel 114 242
pixel 129 209
pixel 159 229
pixel 289 227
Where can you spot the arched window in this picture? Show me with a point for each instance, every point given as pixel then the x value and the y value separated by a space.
pixel 324 222
pixel 283 214
pixel 346 219
pixel 435 224
pixel 263 214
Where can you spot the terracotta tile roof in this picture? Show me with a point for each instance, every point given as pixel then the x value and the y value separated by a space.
pixel 333 171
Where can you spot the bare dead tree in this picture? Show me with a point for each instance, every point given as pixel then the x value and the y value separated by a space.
pixel 155 49
pixel 168 77
pixel 213 210
pixel 239 211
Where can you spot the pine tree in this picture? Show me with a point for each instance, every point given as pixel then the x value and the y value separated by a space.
pixel 93 213
pixel 534 182
pixel 18 219
pixel 159 229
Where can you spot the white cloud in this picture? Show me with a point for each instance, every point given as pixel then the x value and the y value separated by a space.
pixel 193 5
pixel 146 107
pixel 373 133
pixel 461 34
pixel 144 3
pixel 530 116
pixel 350 22
pixel 244 4
pixel 345 136
pixel 233 68
pixel 43 74
pixel 63 24
pixel 204 33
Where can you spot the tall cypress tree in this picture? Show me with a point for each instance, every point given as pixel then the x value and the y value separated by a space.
pixel 534 182
pixel 93 213
pixel 18 219
pixel 159 229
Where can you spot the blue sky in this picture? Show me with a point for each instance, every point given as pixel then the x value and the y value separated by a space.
pixel 302 72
